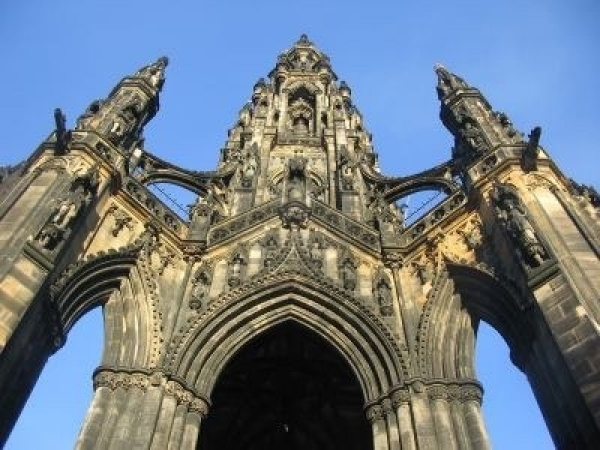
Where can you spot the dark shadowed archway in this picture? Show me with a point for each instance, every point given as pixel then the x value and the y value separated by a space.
pixel 287 389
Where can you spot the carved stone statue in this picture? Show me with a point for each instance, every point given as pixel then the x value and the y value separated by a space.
pixel 426 271
pixel 346 171
pixel 201 286
pixel 473 138
pixel 383 294
pixel 513 218
pixel 250 167
pixel 235 269
pixel 296 186
pixel 270 250
pixel 348 273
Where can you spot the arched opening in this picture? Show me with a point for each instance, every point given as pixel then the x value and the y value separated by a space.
pixel 58 403
pixel 287 388
pixel 513 418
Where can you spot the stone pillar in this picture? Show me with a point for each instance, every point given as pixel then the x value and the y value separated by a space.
pixel 164 424
pixel 423 421
pixel 458 420
pixel 401 403
pixel 472 396
pixel 438 395
pixel 197 410
pixel 378 424
pixel 92 426
pixel 283 103
pixel 392 424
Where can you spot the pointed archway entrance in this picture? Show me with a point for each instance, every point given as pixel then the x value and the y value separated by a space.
pixel 287 389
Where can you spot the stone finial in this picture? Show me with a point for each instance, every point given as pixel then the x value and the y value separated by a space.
pixel 447 81
pixel 154 73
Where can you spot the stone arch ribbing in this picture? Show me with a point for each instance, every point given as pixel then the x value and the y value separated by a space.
pixel 120 281
pixel 460 296
pixel 214 338
pixel 496 302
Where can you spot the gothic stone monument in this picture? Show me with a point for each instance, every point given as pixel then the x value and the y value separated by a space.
pixel 296 307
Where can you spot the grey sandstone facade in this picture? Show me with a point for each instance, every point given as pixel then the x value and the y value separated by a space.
pixel 297 308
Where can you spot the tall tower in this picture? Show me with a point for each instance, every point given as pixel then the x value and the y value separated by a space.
pixel 296 306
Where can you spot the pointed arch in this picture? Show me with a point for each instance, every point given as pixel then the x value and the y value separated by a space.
pixel 460 296
pixel 120 282
pixel 204 349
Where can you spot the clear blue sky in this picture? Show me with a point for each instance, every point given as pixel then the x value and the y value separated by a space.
pixel 536 60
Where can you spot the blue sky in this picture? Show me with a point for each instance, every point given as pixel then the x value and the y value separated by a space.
pixel 538 61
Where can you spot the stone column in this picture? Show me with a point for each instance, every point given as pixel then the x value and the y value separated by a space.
pixel 164 423
pixel 378 424
pixel 92 426
pixel 392 424
pixel 438 396
pixel 458 419
pixel 401 403
pixel 283 103
pixel 471 397
pixel 423 421
pixel 198 409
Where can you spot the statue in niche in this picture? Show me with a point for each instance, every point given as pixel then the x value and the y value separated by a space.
pixel 426 271
pixel 346 170
pixel 61 219
pixel 473 137
pixel 300 125
pixel 270 249
pixel 296 185
pixel 513 218
pixel 383 294
pixel 236 265
pixel 348 273
pixel 316 252
pixel 200 289
pixel 250 166
pixel 80 194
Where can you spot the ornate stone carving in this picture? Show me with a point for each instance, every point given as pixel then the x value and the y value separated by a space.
pixel 121 220
pixel 400 397
pixel 472 235
pixel 249 167
pixel 437 392
pixel 201 286
pixel 383 293
pixel 586 192
pixel 513 218
pixel 237 267
pixel 426 269
pixel 374 413
pixel 294 215
pixel 347 268
pixel 316 249
pixel 80 194
pixel 270 250
pixel 471 393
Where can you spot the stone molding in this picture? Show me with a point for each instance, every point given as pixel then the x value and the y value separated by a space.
pixel 113 379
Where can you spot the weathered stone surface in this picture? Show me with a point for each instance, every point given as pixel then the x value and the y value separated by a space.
pixel 297 229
